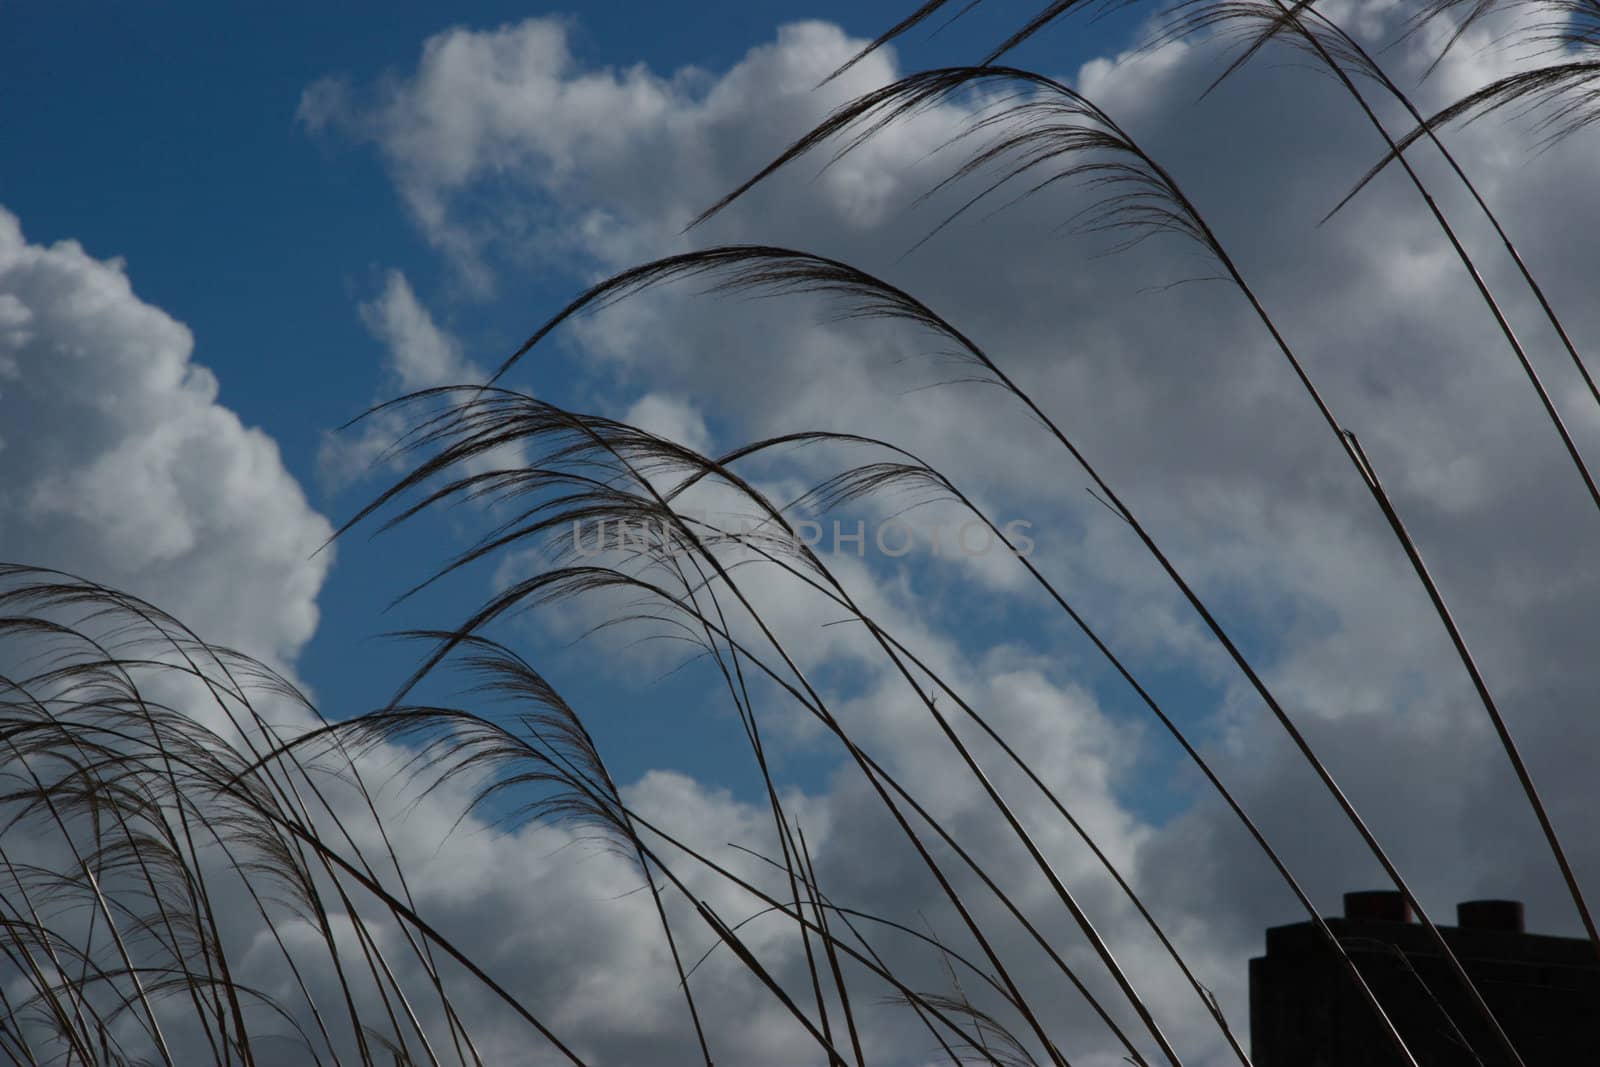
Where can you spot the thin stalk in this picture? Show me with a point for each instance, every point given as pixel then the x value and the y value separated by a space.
pixel 1194 755
pixel 577 781
pixel 1524 778
pixel 287 792
pixel 746 710
pixel 789 664
pixel 828 946
pixel 116 934
pixel 1036 855
pixel 1208 238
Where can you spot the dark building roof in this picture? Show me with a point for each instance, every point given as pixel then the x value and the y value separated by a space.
pixel 1306 1011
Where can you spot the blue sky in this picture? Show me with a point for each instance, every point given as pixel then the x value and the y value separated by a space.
pixel 174 144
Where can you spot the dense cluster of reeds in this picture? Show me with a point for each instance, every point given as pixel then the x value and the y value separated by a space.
pixel 157 809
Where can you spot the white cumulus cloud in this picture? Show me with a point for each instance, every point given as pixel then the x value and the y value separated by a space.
pixel 120 464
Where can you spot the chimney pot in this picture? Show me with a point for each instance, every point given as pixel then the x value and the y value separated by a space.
pixel 1383 905
pixel 1503 915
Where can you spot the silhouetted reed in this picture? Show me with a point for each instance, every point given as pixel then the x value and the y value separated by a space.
pixel 167 798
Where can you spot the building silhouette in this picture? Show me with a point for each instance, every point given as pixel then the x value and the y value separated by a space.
pixel 1306 1011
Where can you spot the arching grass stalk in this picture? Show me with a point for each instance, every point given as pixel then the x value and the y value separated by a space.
pixel 846 914
pixel 1335 54
pixel 225 689
pixel 873 477
pixel 753 267
pixel 901 97
pixel 581 794
pixel 573 436
pixel 126 761
pixel 860 480
pixel 507 675
pixel 1141 198
pixel 733 678
pixel 1341 52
